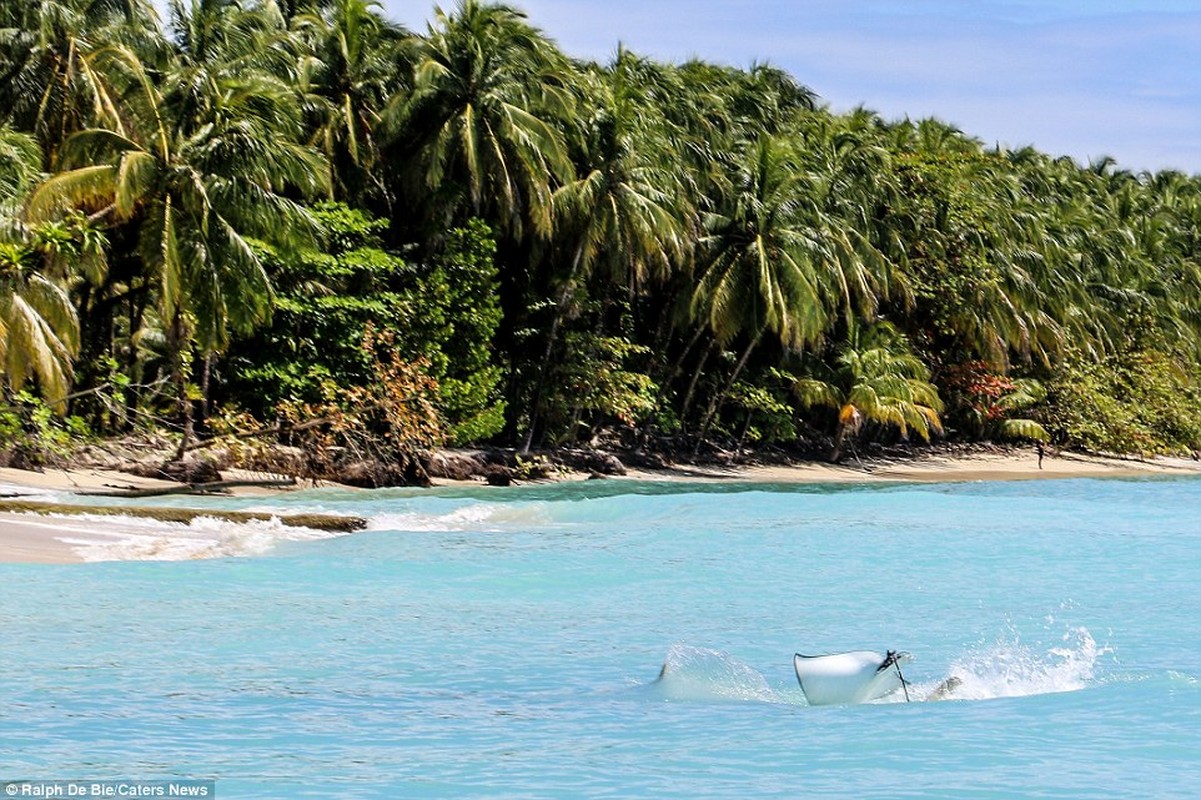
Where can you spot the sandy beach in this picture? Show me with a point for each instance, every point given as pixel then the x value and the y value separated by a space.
pixel 940 468
pixel 36 538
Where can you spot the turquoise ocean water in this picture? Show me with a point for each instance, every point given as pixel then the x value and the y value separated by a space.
pixel 510 643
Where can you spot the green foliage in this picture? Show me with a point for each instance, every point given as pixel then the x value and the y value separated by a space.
pixel 458 311
pixel 636 239
pixel 325 300
pixel 595 385
pixel 33 433
pixel 769 417
pixel 444 314
pixel 1135 402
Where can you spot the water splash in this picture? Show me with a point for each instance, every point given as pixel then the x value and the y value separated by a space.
pixel 1006 667
pixel 700 674
pixel 1010 668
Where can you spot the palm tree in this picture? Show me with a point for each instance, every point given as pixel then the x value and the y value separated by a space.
pixel 623 212
pixel 477 133
pixel 757 256
pixel 195 188
pixel 49 83
pixel 622 215
pixel 876 378
pixel 39 332
pixel 217 43
pixel 353 62
pixel 20 166
pixel 774 259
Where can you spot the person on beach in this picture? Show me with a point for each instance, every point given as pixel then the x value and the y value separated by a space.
pixel 1039 448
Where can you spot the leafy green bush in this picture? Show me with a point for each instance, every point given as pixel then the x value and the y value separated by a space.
pixel 443 314
pixel 33 434
pixel 596 384
pixel 1141 401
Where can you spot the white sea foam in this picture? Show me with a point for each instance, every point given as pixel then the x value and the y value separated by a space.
pixel 15 490
pixel 484 517
pixel 119 538
pixel 1009 668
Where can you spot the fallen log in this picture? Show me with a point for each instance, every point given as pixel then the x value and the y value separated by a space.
pixel 211 487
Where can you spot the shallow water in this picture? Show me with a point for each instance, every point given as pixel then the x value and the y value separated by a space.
pixel 510 643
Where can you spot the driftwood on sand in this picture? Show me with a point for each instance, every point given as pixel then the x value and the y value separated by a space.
pixel 209 487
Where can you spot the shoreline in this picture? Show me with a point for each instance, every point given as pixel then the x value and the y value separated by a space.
pixel 36 538
pixel 936 468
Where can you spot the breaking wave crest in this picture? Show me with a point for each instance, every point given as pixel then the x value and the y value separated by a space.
pixel 117 538
pixel 484 517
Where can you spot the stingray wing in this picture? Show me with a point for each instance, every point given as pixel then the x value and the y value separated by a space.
pixel 842 678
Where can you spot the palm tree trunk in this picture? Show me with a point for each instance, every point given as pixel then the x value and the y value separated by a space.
pixel 840 436
pixel 696 375
pixel 551 338
pixel 175 344
pixel 662 376
pixel 746 427
pixel 678 366
pixel 719 398
pixel 205 384
pixel 134 368
pixel 560 309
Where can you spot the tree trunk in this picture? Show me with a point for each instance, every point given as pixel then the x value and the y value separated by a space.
pixel 678 366
pixel 205 382
pixel 719 398
pixel 560 309
pixel 696 375
pixel 746 426
pixel 840 436
pixel 175 343
pixel 137 307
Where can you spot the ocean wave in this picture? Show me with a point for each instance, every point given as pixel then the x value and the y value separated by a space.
pixel 484 517
pixel 120 538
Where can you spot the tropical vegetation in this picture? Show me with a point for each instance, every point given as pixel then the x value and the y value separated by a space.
pixel 298 217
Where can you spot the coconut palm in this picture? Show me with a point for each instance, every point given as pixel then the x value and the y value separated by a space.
pixel 20 165
pixel 39 332
pixel 775 259
pixel 195 188
pixel 622 215
pixel 876 378
pixel 758 256
pixel 49 83
pixel 478 132
pixel 353 61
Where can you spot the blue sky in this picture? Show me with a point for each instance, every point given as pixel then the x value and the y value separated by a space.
pixel 1085 78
